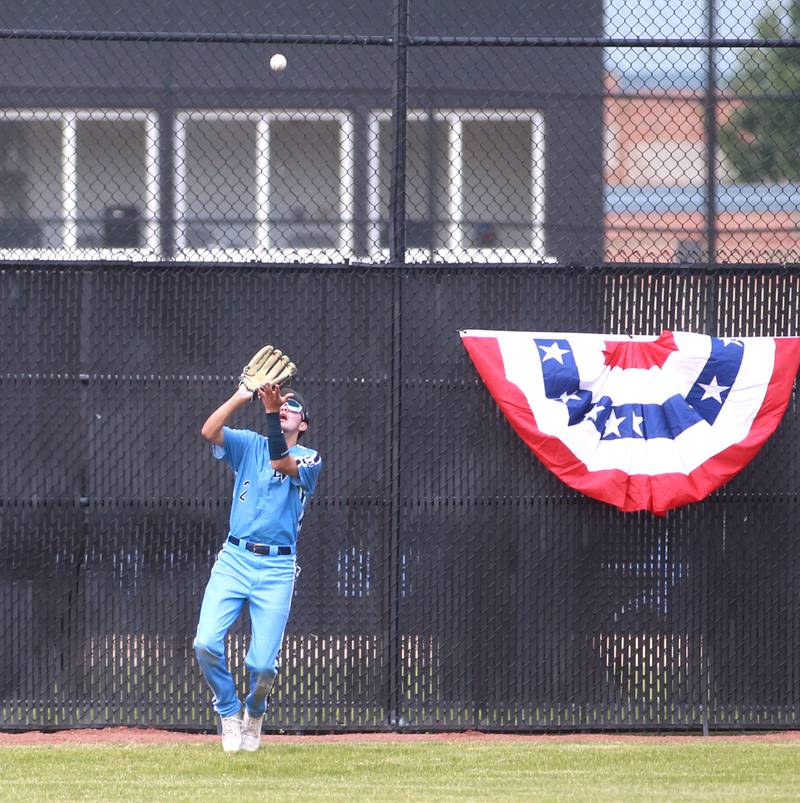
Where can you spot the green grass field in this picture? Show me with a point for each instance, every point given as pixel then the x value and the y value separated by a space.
pixel 694 769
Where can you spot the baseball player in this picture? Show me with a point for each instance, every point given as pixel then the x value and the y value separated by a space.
pixel 274 476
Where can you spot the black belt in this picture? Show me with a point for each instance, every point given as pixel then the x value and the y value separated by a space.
pixel 261 549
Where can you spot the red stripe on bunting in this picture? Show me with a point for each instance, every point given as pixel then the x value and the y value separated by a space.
pixel 629 492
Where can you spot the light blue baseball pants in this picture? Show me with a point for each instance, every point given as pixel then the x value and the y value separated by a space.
pixel 267 583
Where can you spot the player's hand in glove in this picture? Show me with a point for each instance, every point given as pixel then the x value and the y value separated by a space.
pixel 272 399
pixel 268 366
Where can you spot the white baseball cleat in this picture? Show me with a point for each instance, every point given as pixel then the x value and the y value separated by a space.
pixel 251 732
pixel 231 733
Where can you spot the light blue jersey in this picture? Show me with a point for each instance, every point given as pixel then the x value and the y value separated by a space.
pixel 267 506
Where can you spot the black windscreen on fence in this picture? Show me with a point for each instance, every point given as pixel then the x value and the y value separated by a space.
pixel 448 580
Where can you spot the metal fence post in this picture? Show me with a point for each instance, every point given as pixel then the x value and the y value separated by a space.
pixel 397 256
pixel 166 161
pixel 397 199
pixel 711 138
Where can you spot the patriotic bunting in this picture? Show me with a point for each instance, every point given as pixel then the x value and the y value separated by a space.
pixel 641 423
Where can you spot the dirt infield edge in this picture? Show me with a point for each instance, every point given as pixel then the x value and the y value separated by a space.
pixel 137 736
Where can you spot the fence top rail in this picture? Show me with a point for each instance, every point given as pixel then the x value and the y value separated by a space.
pixel 435 40
pixel 388 268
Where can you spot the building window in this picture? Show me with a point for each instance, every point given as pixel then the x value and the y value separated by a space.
pixel 78 184
pixel 474 185
pixel 273 186
pixel 216 194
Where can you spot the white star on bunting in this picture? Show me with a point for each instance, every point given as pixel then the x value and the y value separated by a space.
pixel 713 390
pixel 612 424
pixel 553 352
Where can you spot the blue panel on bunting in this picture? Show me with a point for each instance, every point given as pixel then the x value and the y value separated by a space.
pixel 717 377
pixel 667 420
pixel 558 367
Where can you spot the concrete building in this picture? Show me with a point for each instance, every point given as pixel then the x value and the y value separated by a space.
pixel 655 186
pixel 197 150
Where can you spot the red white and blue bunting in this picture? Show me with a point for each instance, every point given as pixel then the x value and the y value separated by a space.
pixel 641 423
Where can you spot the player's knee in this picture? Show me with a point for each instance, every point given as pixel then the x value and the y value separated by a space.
pixel 206 653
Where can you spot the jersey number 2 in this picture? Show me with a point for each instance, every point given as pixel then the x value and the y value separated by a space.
pixel 245 487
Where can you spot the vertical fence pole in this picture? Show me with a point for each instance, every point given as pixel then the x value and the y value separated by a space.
pixel 166 169
pixel 397 256
pixel 392 599
pixel 711 138
pixel 397 199
pixel 711 222
pixel 167 202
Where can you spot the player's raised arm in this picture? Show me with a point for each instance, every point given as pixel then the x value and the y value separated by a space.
pixel 267 365
pixel 284 424
pixel 212 429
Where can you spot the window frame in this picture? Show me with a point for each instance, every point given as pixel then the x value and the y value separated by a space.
pixel 264 251
pixel 69 250
pixel 455 252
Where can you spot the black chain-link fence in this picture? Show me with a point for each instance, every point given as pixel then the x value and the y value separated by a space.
pixel 432 132
pixel 448 580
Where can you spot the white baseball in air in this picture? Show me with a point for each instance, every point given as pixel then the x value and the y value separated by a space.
pixel 278 62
